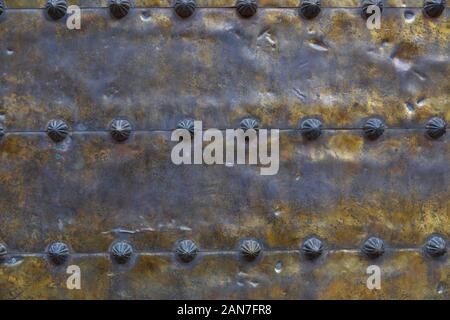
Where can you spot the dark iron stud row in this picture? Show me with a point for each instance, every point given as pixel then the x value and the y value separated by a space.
pixel 311 129
pixel 187 250
pixel 431 8
pixel 308 9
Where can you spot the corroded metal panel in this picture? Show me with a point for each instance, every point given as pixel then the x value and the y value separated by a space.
pixel 341 187
pixel 114 204
pixel 219 68
pixel 276 276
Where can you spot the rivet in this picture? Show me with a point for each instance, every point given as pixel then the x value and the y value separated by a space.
pixel 250 249
pixel 121 252
pixel 433 8
pixel 2 7
pixel 56 9
pixel 187 124
pixel 436 246
pixel 310 9
pixel 311 128
pixel 57 130
pixel 312 248
pixel 120 129
pixel 367 3
pixel 249 123
pixel 184 8
pixel 436 127
pixel 373 128
pixel 186 250
pixel 373 247
pixel 246 8
pixel 119 8
pixel 58 252
pixel 3 251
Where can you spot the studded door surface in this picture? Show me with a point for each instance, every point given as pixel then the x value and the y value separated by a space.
pixel 86 178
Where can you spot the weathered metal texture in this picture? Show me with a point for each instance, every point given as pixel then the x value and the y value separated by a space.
pixel 407 275
pixel 217 3
pixel 98 192
pixel 219 68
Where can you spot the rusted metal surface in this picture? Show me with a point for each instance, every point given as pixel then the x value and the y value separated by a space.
pixel 219 68
pixel 90 191
pixel 341 187
pixel 122 206
pixel 407 275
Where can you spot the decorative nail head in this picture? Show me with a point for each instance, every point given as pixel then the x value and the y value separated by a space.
pixel 373 247
pixel 433 8
pixel 250 249
pixel 58 252
pixel 246 8
pixel 436 246
pixel 312 248
pixel 373 128
pixel 186 250
pixel 249 123
pixel 121 252
pixel 56 9
pixel 119 8
pixel 2 7
pixel 120 129
pixel 3 251
pixel 310 9
pixel 57 130
pixel 436 127
pixel 311 128
pixel 187 124
pixel 185 8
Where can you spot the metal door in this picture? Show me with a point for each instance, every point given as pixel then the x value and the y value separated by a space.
pixel 364 193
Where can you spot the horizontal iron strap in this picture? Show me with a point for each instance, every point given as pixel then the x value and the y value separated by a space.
pixel 138 131
pixel 210 252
